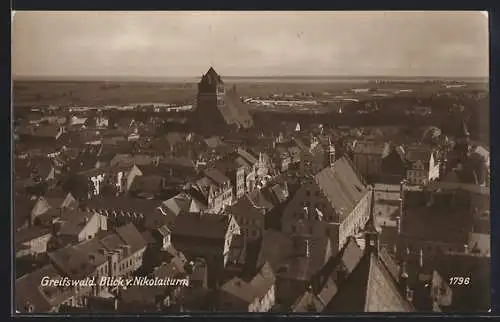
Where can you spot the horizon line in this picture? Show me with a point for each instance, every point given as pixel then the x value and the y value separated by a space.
pixel 311 76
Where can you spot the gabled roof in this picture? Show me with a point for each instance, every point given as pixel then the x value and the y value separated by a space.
pixel 75 261
pixel 421 154
pixel 23 206
pixel 369 288
pixel 188 225
pixel 29 234
pixel 216 176
pixel 302 264
pixel 76 222
pixel 258 287
pixel 148 184
pixel 372 147
pixel 312 302
pixel 47 130
pixel 131 236
pixel 275 247
pixel 28 291
pixel 246 208
pixel 247 156
pixel 342 186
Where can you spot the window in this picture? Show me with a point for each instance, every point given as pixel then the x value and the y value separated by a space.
pixel 308 193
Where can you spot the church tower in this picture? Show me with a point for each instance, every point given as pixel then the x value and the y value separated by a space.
pixel 210 101
pixel 211 89
pixel 218 112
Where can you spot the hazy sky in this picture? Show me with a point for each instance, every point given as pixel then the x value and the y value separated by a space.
pixel 169 44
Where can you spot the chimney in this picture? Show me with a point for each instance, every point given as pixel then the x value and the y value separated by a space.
pixel 409 294
pixel 307 248
pixel 403 278
pixel 431 199
pixel 421 258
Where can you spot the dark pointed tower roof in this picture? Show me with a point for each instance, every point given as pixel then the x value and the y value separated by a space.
pixel 211 76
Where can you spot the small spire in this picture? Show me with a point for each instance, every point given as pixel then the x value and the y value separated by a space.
pixel 463 131
pixel 371 219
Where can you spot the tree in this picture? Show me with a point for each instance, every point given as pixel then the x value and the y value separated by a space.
pixel 77 185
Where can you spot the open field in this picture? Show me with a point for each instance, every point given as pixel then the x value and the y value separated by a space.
pixel 81 93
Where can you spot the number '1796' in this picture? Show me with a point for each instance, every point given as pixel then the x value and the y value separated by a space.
pixel 459 280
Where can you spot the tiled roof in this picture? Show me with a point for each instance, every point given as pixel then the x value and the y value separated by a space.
pixel 369 288
pixel 23 205
pixel 260 200
pixel 245 208
pixel 234 111
pixel 239 289
pixel 237 250
pixel 256 288
pixel 47 130
pixel 131 236
pixel 148 184
pixel 216 176
pixel 75 261
pixel 30 233
pixel 341 186
pixel 275 248
pixel 480 243
pixel 419 154
pixel 123 203
pixel 312 302
pixel 350 255
pixel 213 142
pixel 301 265
pixel 188 225
pixel 248 157
pixel 177 204
pixel 28 290
pixel 372 147
pixel 428 223
pixel 76 222
pixel 447 185
pixel 476 297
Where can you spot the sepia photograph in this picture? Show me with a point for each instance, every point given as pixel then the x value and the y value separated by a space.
pixel 314 162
